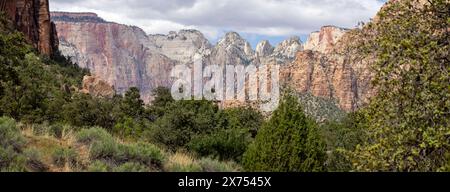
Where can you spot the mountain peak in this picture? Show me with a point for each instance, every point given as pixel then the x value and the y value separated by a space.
pixel 325 39
pixel 264 48
pixel 289 47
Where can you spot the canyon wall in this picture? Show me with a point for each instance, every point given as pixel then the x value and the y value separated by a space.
pixel 32 17
pixel 125 56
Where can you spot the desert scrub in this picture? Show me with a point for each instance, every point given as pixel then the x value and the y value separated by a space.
pixel 179 162
pixel 88 136
pixel 104 150
pixel 10 135
pixel 11 161
pixel 62 156
pixel 211 165
pixel 34 161
pixel 143 153
pixel 131 167
pixel 117 153
pixel 98 166
pixel 11 144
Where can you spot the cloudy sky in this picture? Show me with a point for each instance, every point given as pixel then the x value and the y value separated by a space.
pixel 255 20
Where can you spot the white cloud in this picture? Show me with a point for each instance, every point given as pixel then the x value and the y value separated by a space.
pixel 212 17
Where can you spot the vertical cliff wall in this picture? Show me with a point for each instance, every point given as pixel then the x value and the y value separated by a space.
pixel 32 17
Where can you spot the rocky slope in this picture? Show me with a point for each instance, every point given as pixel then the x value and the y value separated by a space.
pixel 124 56
pixel 32 17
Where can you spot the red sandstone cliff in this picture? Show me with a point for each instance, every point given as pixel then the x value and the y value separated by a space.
pixel 32 17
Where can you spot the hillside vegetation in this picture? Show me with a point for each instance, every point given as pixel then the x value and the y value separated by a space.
pixel 47 125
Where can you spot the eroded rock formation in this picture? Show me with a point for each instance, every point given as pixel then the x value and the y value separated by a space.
pixel 124 56
pixel 32 17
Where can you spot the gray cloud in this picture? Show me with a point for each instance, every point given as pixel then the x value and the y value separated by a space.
pixel 260 17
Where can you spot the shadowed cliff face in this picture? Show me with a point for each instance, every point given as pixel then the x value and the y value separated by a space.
pixel 32 17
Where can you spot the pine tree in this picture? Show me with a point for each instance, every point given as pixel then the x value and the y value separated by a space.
pixel 288 142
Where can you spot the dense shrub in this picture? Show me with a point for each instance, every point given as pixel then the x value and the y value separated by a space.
pixel 143 153
pixel 131 167
pixel 179 162
pixel 10 135
pixel 288 142
pixel 408 120
pixel 88 136
pixel 98 166
pixel 182 121
pixel 11 161
pixel 227 144
pixel 104 150
pixel 34 160
pixel 211 165
pixel 341 136
pixel 65 156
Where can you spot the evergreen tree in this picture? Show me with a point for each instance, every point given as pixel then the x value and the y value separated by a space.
pixel 288 142
pixel 408 121
pixel 132 104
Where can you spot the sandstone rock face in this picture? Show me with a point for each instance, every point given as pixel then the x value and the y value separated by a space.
pixel 113 52
pixel 181 46
pixel 32 17
pixel 324 70
pixel 324 40
pixel 97 87
pixel 124 57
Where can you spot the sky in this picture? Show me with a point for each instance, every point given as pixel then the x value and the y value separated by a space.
pixel 254 20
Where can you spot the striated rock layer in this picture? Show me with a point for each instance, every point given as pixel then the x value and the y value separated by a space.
pixel 32 17
pixel 124 56
pixel 325 70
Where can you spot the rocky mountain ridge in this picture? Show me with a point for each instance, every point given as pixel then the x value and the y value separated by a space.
pixel 125 56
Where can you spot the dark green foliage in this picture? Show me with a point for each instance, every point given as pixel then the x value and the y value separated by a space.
pixel 340 136
pixel 130 128
pixel 224 145
pixel 235 131
pixel 30 85
pixel 163 98
pixel 84 110
pixel 182 121
pixel 288 142
pixel 408 121
pixel 242 118
pixel 132 104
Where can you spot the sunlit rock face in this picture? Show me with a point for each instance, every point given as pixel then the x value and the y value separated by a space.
pixel 324 40
pixel 125 56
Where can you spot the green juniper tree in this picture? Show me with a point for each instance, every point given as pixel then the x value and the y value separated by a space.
pixel 289 141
